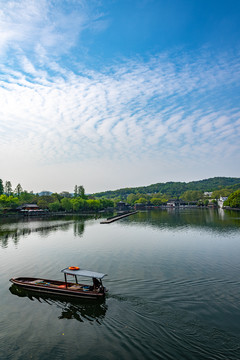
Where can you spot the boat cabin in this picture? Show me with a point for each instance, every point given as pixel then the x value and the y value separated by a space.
pixel 75 271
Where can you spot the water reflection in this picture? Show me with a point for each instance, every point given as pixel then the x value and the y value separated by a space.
pixel 78 309
pixel 14 229
pixel 174 280
pixel 15 233
pixel 215 219
pixel 78 228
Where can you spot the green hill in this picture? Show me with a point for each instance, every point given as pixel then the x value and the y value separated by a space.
pixel 175 189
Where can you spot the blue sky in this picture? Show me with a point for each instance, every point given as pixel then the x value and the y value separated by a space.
pixel 115 93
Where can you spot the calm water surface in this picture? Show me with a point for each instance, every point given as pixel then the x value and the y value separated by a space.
pixel 173 280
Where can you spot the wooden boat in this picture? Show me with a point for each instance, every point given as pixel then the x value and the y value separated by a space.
pixel 66 288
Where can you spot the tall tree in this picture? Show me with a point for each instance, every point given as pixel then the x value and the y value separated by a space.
pixel 81 192
pixel 18 190
pixel 8 188
pixel 75 191
pixel 1 187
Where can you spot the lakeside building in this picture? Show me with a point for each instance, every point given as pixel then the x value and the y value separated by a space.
pixel 122 206
pixel 221 201
pixel 175 203
pixel 208 194
pixel 31 210
pixel 27 207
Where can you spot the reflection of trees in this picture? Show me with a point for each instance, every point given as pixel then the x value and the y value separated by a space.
pixel 78 228
pixel 16 234
pixel 14 229
pixel 12 234
pixel 78 309
pixel 177 218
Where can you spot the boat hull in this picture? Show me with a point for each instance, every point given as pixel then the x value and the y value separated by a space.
pixel 54 287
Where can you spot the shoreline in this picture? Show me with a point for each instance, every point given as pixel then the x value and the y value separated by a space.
pixel 50 214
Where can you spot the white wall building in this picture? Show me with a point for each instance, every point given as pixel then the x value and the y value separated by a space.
pixel 207 193
pixel 221 201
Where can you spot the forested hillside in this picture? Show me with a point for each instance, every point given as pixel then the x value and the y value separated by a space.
pixel 175 189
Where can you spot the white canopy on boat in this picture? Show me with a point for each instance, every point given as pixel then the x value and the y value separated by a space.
pixel 85 273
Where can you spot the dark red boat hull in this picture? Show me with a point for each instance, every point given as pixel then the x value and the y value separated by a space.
pixel 58 288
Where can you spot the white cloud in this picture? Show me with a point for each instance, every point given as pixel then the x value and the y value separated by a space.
pixel 70 116
pixel 43 27
pixel 139 115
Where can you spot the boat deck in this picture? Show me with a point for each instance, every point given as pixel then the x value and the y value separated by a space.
pixel 59 285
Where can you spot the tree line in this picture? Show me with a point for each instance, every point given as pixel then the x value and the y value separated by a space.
pixel 189 196
pixel 77 202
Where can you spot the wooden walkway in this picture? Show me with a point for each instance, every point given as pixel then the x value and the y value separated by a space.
pixel 118 217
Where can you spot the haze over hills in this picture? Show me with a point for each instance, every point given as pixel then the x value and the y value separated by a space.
pixel 175 188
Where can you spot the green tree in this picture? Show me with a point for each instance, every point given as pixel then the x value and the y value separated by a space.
pixel 18 190
pixel 47 198
pixel 192 195
pixel 28 197
pixel 156 201
pixel 78 204
pixel 81 192
pixel 3 200
pixel 66 204
pixel 8 188
pixel 158 195
pixel 56 197
pixel 8 201
pixel 1 187
pixel 131 198
pixel 233 200
pixel 106 203
pixel 93 205
pixel 75 191
pixel 142 200
pixel 13 202
pixel 54 206
pixel 218 193
pixel 42 203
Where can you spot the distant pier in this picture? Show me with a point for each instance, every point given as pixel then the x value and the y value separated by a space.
pixel 117 217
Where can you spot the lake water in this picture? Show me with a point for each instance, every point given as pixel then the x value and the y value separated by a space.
pixel 173 280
